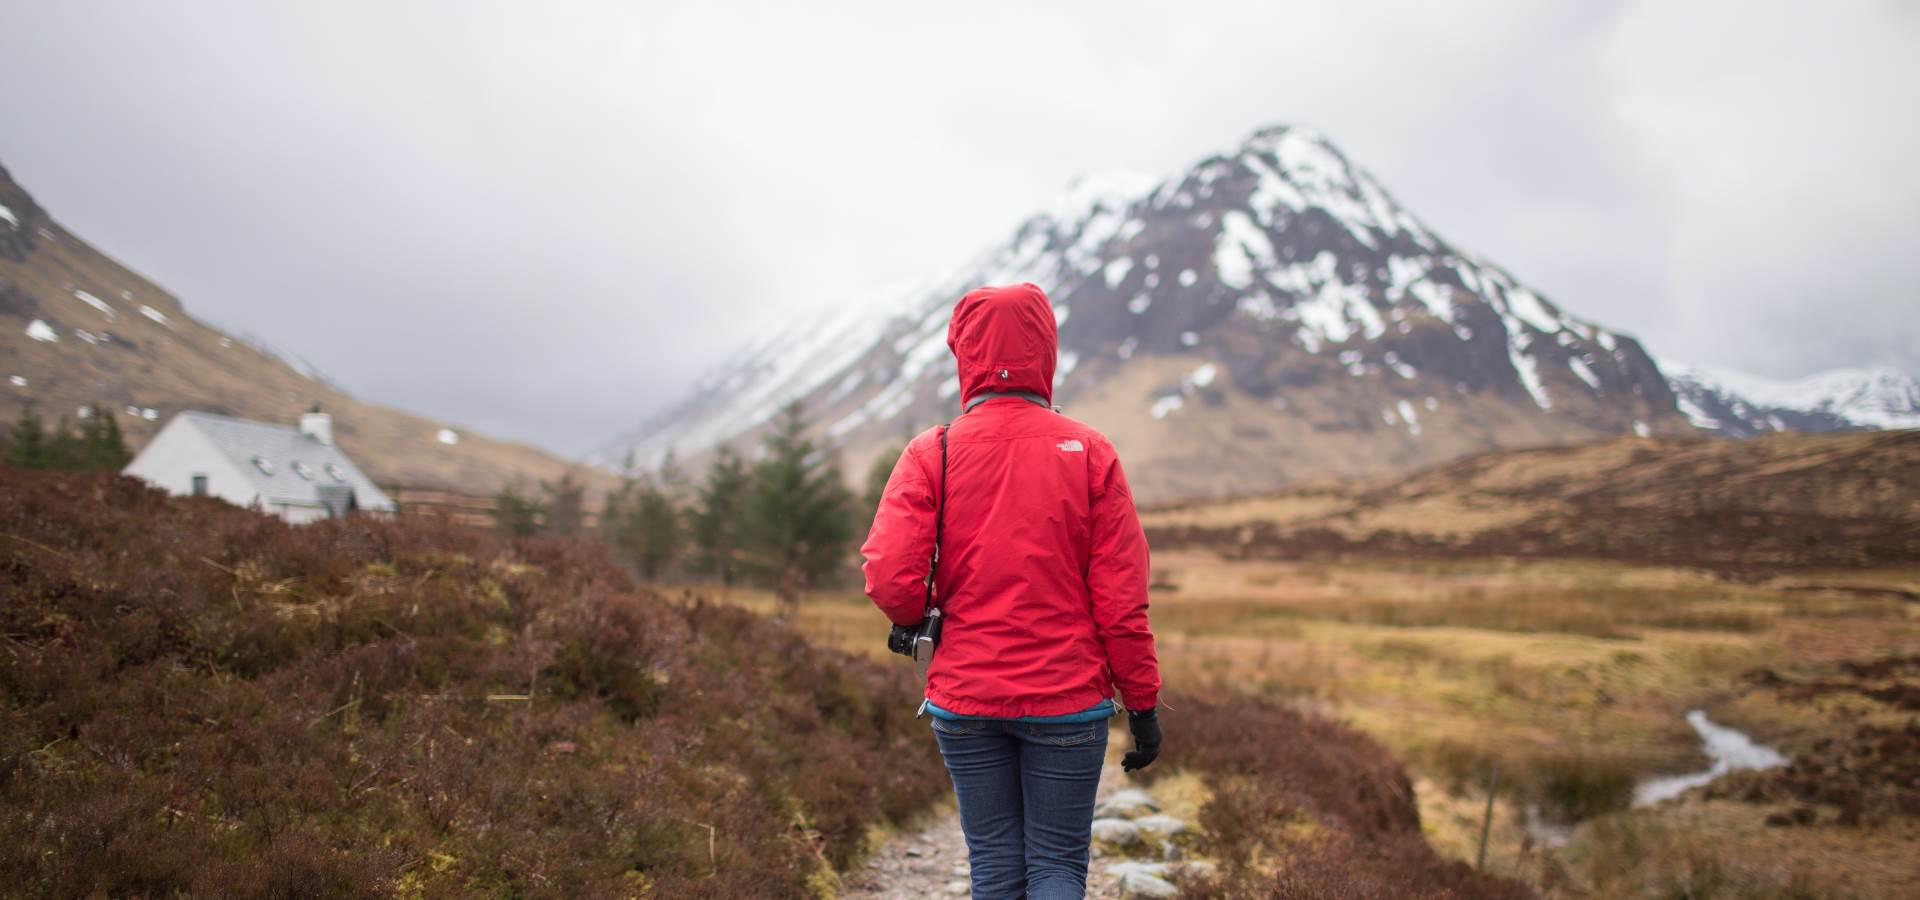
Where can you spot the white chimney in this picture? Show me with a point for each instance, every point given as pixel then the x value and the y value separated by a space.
pixel 317 425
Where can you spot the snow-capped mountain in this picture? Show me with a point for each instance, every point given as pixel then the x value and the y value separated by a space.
pixel 1741 405
pixel 1267 315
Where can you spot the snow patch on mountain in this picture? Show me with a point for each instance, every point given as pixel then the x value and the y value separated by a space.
pixel 96 303
pixel 1743 405
pixel 1242 249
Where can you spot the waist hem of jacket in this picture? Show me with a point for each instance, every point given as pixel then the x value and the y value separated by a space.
pixel 1101 709
pixel 1059 705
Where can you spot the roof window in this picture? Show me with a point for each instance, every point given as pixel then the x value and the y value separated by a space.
pixel 338 473
pixel 264 464
pixel 303 470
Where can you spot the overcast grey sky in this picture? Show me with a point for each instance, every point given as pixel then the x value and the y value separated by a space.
pixel 542 220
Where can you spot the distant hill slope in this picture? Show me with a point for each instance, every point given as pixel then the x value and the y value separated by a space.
pixel 1740 405
pixel 1781 500
pixel 77 328
pixel 1266 316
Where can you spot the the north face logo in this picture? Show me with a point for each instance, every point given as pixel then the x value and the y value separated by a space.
pixel 1072 446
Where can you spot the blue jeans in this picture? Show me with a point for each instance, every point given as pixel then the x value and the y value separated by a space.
pixel 1026 794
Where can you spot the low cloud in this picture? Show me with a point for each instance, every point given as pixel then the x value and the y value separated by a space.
pixel 544 222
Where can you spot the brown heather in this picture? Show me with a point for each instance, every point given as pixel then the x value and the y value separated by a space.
pixel 199 700
pixel 1304 807
pixel 195 699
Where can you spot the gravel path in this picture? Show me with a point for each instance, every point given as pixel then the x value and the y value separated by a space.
pixel 931 860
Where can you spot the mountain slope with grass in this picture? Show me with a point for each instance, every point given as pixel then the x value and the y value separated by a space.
pixel 1266 316
pixel 78 328
pixel 1775 502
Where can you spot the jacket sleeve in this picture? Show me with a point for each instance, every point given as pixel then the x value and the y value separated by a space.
pixel 900 545
pixel 1117 579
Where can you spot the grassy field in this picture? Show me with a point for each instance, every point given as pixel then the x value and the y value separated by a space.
pixel 1572 677
pixel 204 701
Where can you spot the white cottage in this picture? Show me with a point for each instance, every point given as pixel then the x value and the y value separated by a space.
pixel 297 474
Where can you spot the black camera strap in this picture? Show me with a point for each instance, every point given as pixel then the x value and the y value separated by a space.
pixel 939 515
pixel 928 640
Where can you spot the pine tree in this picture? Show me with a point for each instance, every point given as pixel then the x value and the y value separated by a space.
pixel 27 446
pixel 642 524
pixel 715 516
pixel 101 444
pixel 671 478
pixel 656 527
pixel 64 449
pixel 516 514
pixel 565 505
pixel 798 512
pixel 877 476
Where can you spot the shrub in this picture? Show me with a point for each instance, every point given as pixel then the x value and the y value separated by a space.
pixel 1305 807
pixel 1575 787
pixel 202 700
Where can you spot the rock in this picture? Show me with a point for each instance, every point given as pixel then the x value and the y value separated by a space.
pixel 914 851
pixel 1141 884
pixel 957 888
pixel 1159 826
pixel 1116 833
pixel 1196 869
pixel 1129 867
pixel 1127 804
pixel 961 868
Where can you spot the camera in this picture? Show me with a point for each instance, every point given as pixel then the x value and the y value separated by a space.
pixel 900 639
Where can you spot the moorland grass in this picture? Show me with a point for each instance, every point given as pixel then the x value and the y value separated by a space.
pixel 201 700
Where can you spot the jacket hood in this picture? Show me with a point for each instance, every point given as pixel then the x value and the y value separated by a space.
pixel 1004 339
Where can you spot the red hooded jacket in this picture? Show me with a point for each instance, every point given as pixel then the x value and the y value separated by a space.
pixel 1043 566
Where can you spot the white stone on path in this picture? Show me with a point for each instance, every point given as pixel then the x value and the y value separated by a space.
pixel 1117 832
pixel 1159 826
pixel 1129 867
pixel 1127 804
pixel 1141 884
pixel 1198 868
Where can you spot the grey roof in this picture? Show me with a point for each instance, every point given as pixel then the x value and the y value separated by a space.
pixel 286 449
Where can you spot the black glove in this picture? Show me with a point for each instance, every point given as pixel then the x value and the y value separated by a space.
pixel 1145 724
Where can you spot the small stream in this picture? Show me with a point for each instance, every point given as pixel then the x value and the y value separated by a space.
pixel 1729 750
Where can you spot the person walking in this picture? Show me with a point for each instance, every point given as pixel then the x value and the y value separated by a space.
pixel 1041 585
